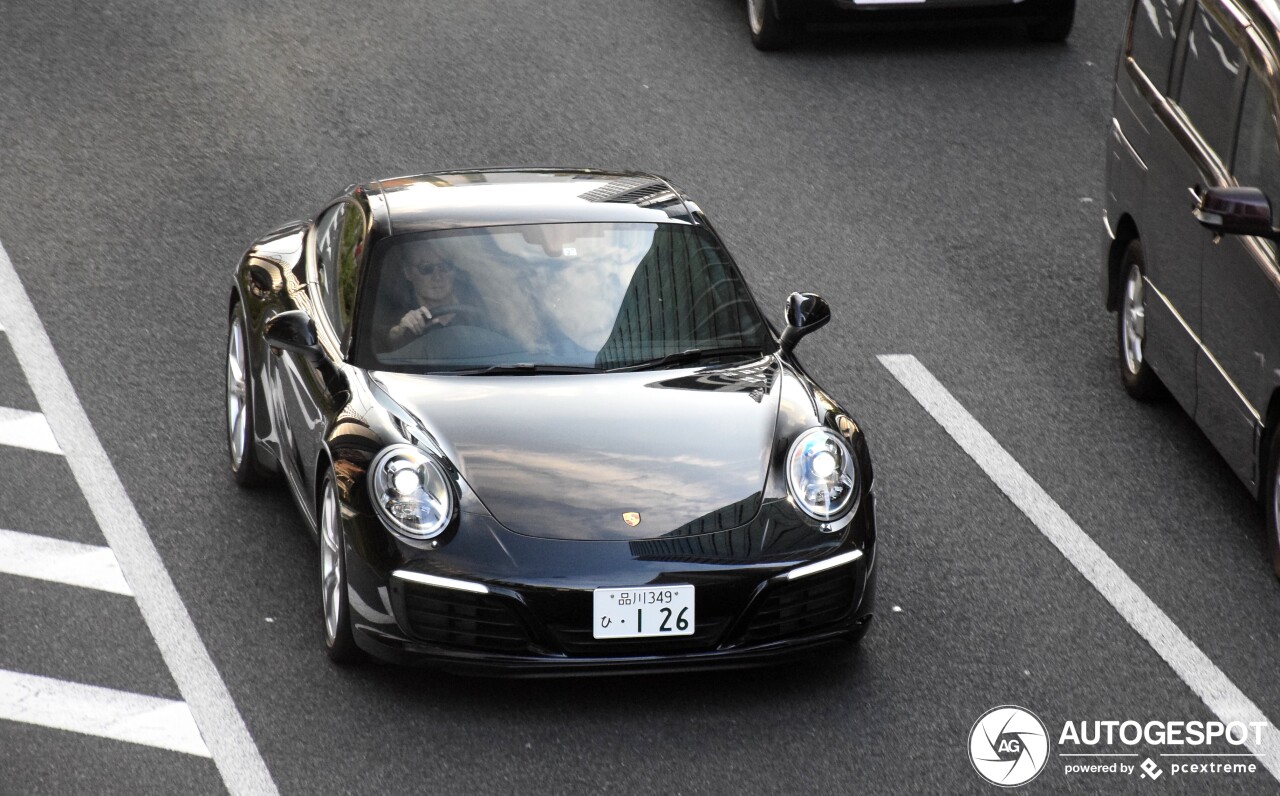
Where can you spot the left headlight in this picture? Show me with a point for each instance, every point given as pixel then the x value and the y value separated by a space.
pixel 821 474
pixel 411 492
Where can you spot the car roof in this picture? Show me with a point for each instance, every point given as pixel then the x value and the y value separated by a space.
pixel 492 197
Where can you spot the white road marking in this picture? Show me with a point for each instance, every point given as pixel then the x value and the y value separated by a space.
pixel 106 713
pixel 237 758
pixel 72 563
pixel 30 430
pixel 1195 668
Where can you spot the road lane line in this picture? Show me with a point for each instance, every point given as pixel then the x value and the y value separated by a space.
pixel 84 565
pixel 30 430
pixel 1195 668
pixel 240 764
pixel 104 712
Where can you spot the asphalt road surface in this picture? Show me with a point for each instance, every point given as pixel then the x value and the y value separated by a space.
pixel 942 189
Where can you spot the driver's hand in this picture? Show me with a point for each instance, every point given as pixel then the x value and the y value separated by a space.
pixel 413 323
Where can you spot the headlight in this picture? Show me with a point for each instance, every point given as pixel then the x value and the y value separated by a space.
pixel 410 492
pixel 821 474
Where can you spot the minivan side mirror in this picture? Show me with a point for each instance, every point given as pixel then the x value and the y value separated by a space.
pixel 1235 211
pixel 294 331
pixel 806 312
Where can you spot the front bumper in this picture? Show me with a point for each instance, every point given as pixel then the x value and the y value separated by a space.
pixel 524 607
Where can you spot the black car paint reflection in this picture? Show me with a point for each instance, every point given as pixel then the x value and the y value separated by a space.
pixel 541 462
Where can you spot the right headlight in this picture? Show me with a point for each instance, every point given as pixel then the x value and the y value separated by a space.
pixel 410 492
pixel 821 474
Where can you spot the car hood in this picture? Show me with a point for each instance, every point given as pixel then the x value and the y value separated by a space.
pixel 566 456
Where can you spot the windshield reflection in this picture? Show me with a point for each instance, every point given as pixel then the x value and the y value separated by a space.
pixel 592 295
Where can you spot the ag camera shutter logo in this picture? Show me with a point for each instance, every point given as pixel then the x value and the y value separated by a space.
pixel 1008 746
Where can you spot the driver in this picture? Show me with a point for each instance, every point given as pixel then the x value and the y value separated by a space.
pixel 431 281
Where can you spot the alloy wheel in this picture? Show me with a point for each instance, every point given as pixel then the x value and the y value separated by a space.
pixel 237 403
pixel 332 582
pixel 1134 319
pixel 755 15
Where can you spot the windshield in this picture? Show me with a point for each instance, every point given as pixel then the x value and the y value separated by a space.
pixel 570 297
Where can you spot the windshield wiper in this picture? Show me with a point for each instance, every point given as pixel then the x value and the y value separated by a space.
pixel 521 369
pixel 691 355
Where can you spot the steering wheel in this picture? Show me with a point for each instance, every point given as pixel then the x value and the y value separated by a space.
pixel 457 309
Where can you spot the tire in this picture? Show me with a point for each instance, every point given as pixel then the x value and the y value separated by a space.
pixel 769 31
pixel 1056 25
pixel 1269 497
pixel 242 446
pixel 338 638
pixel 1140 381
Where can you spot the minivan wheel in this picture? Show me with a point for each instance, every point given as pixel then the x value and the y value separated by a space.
pixel 1139 379
pixel 1270 498
pixel 1056 26
pixel 768 30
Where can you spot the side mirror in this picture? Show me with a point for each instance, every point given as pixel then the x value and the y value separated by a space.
pixel 806 312
pixel 294 331
pixel 1235 211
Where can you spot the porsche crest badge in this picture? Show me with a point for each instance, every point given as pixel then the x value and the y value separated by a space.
pixel 631 518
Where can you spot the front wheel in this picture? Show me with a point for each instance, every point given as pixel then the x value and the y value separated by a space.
pixel 1140 381
pixel 242 445
pixel 1269 493
pixel 338 638
pixel 769 31
pixel 1056 25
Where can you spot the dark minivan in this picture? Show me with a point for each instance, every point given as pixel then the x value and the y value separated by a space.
pixel 1193 172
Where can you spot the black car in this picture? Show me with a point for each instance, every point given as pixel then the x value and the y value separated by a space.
pixel 774 24
pixel 1189 258
pixel 539 424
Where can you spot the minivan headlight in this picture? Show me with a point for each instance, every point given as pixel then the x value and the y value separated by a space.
pixel 410 492
pixel 821 474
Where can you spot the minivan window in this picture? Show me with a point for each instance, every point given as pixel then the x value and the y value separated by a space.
pixel 1257 162
pixel 1155 29
pixel 1208 81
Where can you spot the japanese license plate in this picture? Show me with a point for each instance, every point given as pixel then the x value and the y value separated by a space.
pixel 643 611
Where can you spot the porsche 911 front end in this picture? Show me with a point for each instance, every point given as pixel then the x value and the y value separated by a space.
pixel 550 574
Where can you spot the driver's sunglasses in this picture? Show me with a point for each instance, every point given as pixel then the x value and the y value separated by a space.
pixel 431 269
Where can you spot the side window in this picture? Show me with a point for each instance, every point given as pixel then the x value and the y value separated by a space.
pixel 327 243
pixel 329 234
pixel 1154 31
pixel 342 299
pixel 1208 82
pixel 1257 162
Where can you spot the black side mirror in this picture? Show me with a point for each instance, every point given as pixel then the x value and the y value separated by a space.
pixel 1235 211
pixel 806 312
pixel 294 331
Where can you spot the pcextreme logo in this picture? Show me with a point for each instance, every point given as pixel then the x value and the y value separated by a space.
pixel 1008 746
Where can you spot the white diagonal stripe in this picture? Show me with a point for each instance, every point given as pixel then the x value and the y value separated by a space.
pixel 1186 659
pixel 22 429
pixel 104 712
pixel 72 563
pixel 237 757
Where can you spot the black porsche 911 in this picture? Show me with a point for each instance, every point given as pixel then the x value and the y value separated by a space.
pixel 540 425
